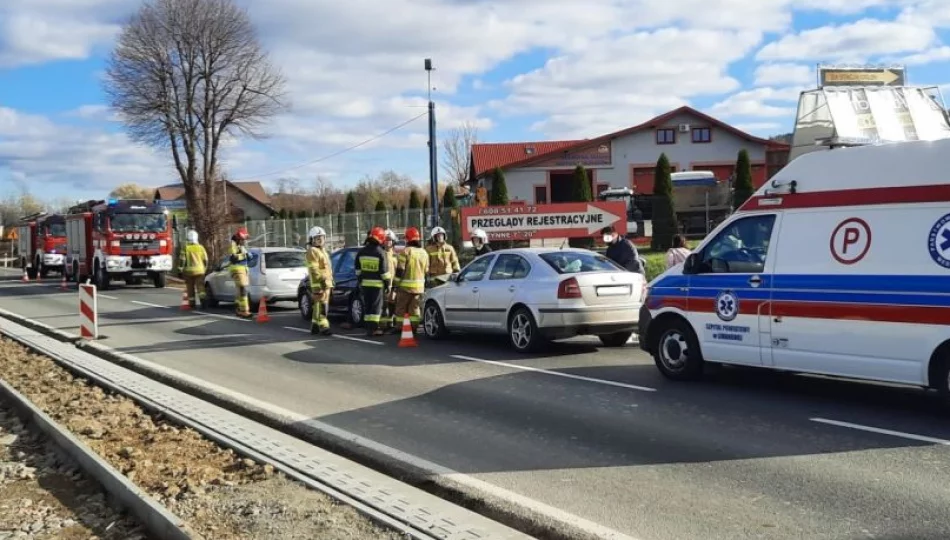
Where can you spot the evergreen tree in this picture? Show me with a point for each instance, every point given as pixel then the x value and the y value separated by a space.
pixel 414 199
pixel 350 205
pixel 448 198
pixel 380 206
pixel 664 208
pixel 581 192
pixel 742 189
pixel 499 190
pixel 452 219
pixel 282 213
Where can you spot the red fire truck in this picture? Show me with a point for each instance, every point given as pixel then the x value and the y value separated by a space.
pixel 119 239
pixel 41 242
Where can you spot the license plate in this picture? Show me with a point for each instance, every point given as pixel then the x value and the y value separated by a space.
pixel 622 290
pixel 139 274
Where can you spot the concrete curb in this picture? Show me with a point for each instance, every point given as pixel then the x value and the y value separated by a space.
pixel 157 520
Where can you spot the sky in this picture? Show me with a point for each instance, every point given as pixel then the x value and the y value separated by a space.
pixel 516 69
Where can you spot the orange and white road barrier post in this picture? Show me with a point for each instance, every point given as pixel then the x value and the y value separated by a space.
pixel 262 315
pixel 185 303
pixel 408 338
pixel 62 284
pixel 88 312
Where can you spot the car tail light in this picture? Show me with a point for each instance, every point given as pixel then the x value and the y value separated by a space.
pixel 569 289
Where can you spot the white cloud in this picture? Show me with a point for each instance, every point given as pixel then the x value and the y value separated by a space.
pixel 618 82
pixel 851 42
pixel 762 129
pixel 784 73
pixel 756 103
pixel 929 12
pixel 930 56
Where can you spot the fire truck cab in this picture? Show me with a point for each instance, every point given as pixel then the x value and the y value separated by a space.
pixel 119 239
pixel 41 243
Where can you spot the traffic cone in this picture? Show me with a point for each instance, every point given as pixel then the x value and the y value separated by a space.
pixel 185 306
pixel 62 284
pixel 407 339
pixel 262 315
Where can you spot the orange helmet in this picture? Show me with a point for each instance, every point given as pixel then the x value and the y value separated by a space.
pixel 413 235
pixel 378 234
pixel 242 233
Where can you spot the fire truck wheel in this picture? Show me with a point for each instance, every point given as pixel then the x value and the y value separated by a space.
pixel 100 278
pixel 159 281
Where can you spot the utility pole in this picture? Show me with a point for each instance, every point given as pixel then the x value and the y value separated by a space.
pixel 433 161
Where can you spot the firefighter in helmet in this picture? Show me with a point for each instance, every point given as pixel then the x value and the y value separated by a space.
pixel 480 242
pixel 321 280
pixel 193 266
pixel 238 269
pixel 374 274
pixel 389 304
pixel 411 269
pixel 442 257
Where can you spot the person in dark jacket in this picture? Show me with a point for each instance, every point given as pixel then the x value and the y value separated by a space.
pixel 480 242
pixel 620 250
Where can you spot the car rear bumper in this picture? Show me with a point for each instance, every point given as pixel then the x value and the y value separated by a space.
pixel 256 292
pixel 561 323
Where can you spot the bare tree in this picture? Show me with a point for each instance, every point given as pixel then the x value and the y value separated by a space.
pixel 456 151
pixel 184 75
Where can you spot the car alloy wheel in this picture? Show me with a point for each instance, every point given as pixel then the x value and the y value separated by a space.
pixel 521 331
pixel 305 306
pixel 356 311
pixel 431 321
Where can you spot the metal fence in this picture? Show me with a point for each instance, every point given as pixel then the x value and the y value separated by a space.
pixel 342 229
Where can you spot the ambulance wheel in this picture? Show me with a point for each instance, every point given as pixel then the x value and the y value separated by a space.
pixel 677 352
pixel 433 322
pixel 940 372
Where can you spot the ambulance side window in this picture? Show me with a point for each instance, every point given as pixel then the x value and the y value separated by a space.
pixel 740 248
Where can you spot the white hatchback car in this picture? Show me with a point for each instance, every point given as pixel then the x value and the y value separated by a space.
pixel 273 274
pixel 536 295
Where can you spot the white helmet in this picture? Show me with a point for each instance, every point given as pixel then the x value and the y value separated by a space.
pixel 435 231
pixel 390 235
pixel 481 235
pixel 192 236
pixel 315 232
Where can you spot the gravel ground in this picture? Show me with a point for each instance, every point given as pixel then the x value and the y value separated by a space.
pixel 218 493
pixel 43 494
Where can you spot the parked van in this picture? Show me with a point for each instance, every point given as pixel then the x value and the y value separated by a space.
pixel 839 265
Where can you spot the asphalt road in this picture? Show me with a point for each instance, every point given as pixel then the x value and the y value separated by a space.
pixel 595 433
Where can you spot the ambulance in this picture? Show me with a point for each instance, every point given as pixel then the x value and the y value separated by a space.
pixel 839 266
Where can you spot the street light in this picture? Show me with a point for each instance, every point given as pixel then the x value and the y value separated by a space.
pixel 433 162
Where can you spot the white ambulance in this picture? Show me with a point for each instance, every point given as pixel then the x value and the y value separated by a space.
pixel 839 265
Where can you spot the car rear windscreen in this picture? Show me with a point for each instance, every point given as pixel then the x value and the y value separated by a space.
pixel 573 262
pixel 285 259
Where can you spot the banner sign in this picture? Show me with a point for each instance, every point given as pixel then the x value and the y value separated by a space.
pixel 865 76
pixel 563 220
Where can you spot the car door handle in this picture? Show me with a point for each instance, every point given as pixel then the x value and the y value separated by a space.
pixel 512 288
pixel 474 289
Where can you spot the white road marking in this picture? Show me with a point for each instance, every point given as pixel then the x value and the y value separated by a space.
pixel 100 295
pixel 219 316
pixel 296 329
pixel 454 477
pixel 882 431
pixel 351 338
pixel 149 304
pixel 557 373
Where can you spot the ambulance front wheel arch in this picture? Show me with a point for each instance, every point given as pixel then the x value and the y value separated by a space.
pixel 676 351
pixel 940 370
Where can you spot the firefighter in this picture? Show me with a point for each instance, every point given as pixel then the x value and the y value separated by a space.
pixel 389 314
pixel 410 280
pixel 193 265
pixel 321 280
pixel 238 269
pixel 442 257
pixel 374 274
pixel 480 242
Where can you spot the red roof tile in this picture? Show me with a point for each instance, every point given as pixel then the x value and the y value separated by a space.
pixel 487 156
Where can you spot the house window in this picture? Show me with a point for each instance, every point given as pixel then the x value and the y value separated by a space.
pixel 666 136
pixel 702 135
pixel 540 195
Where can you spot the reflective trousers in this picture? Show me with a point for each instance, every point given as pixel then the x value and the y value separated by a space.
pixel 195 285
pixel 242 301
pixel 372 307
pixel 320 309
pixel 408 303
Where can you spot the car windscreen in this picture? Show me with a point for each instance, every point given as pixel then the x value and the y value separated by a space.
pixel 573 262
pixel 285 259
pixel 138 222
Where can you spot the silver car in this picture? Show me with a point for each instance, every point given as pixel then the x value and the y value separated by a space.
pixel 537 295
pixel 273 274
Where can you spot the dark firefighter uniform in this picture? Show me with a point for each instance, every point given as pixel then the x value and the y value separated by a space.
pixel 374 274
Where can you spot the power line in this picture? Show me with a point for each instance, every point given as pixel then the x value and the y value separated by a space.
pixel 335 154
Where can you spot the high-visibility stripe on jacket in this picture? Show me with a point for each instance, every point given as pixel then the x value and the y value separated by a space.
pixel 194 260
pixel 319 269
pixel 238 256
pixel 411 270
pixel 372 266
pixel 442 259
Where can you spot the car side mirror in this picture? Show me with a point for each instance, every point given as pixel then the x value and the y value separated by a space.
pixel 454 277
pixel 691 263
